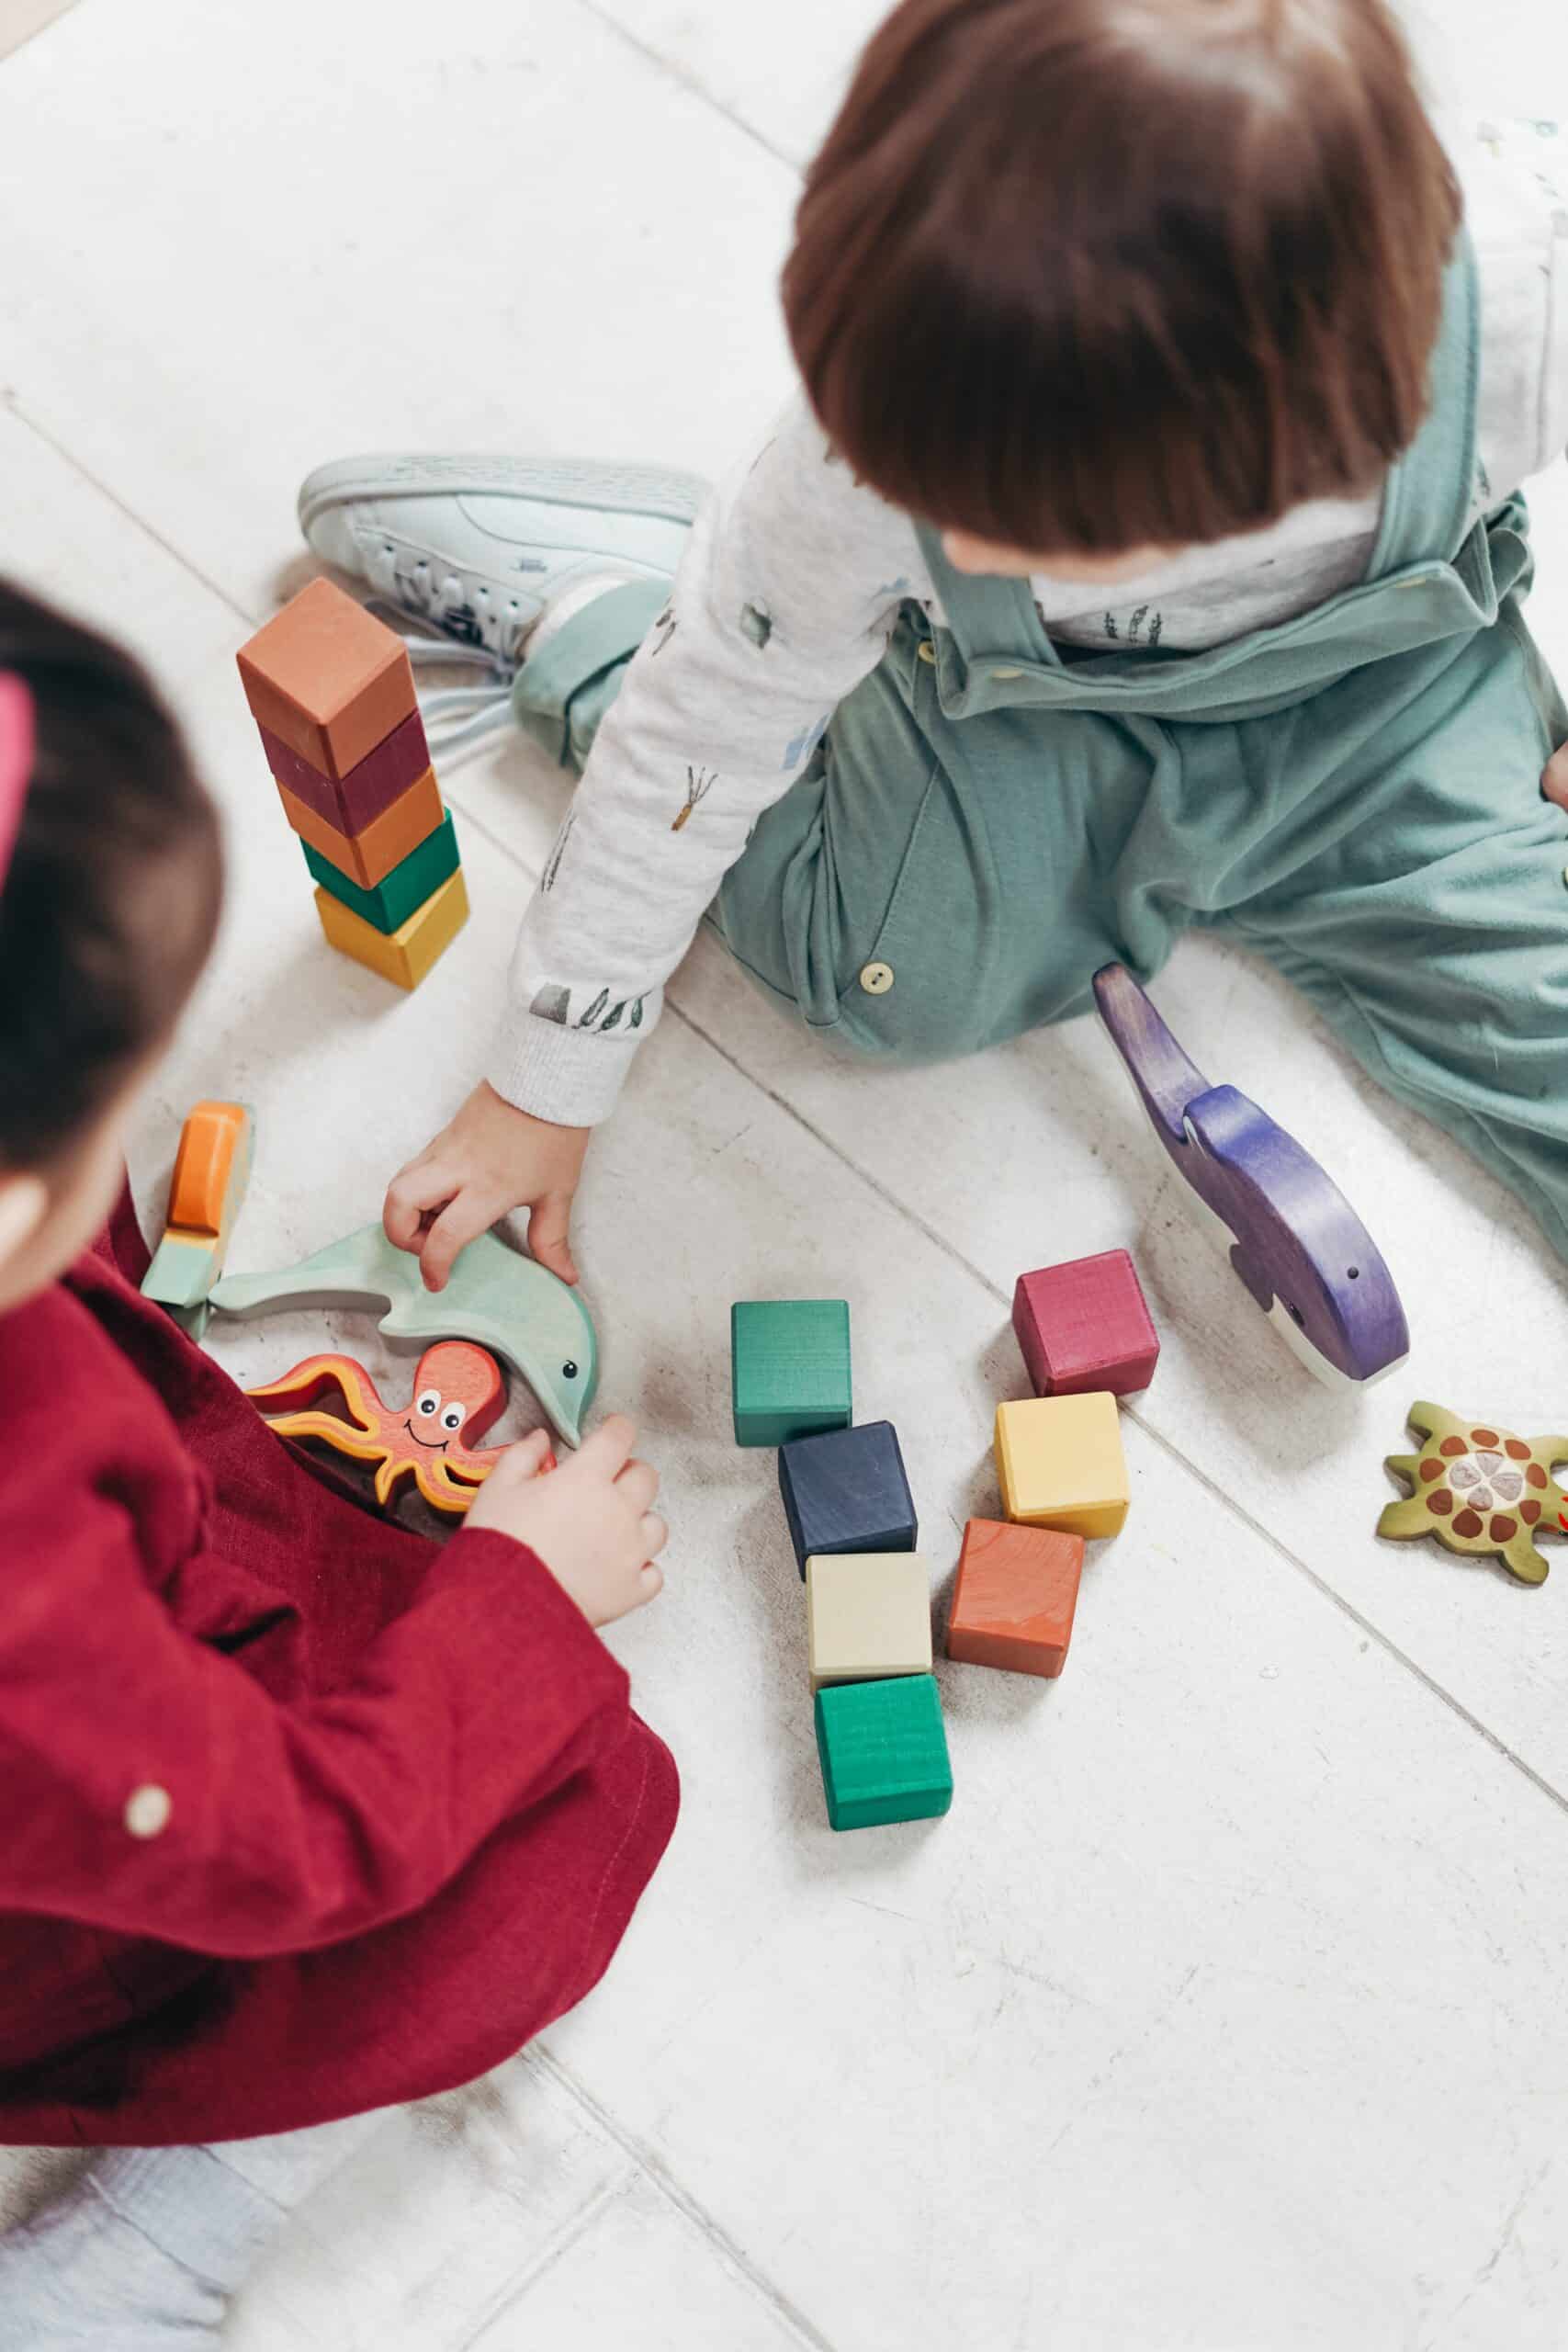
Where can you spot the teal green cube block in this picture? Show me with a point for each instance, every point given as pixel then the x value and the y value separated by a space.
pixel 884 1752
pixel 790 1368
pixel 388 906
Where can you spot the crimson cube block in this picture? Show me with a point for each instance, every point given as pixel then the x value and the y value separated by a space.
pixel 1085 1326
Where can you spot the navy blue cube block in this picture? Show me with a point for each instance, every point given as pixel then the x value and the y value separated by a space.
pixel 846 1491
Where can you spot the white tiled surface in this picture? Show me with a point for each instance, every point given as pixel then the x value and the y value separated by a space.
pixel 1225 2011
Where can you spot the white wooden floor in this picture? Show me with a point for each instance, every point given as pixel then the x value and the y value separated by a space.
pixel 1227 2008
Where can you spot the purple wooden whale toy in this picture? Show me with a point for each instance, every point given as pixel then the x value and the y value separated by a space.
pixel 1294 1239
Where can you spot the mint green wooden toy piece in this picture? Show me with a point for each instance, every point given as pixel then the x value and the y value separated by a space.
pixel 884 1752
pixel 180 1275
pixel 499 1300
pixel 790 1368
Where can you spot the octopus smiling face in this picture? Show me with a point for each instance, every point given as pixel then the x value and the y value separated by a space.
pixel 457 1390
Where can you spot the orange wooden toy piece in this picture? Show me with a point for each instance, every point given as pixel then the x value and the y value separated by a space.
pixel 1018 1589
pixel 458 1394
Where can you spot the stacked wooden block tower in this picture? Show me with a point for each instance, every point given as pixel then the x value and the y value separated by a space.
pixel 1087 1338
pixel 332 693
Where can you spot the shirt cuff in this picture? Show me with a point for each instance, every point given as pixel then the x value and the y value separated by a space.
pixel 570 1077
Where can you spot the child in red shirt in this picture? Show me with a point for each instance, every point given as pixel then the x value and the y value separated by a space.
pixel 304 1815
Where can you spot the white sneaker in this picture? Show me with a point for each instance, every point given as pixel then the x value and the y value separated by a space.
pixel 483 547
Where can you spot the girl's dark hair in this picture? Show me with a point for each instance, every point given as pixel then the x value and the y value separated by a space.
pixel 1092 274
pixel 108 908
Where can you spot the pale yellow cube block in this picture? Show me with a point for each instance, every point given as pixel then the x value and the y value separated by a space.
pixel 868 1616
pixel 1061 1464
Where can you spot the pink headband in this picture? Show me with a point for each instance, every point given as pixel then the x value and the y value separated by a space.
pixel 16 763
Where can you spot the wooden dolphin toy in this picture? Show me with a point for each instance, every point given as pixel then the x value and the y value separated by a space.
pixel 493 1297
pixel 1294 1239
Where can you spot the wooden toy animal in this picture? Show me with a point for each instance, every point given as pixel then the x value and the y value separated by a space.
pixel 1294 1239
pixel 495 1297
pixel 458 1394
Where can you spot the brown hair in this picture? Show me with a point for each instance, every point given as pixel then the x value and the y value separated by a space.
pixel 1091 275
pixel 108 908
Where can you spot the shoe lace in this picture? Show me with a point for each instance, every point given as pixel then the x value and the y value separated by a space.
pixel 453 716
pixel 477 630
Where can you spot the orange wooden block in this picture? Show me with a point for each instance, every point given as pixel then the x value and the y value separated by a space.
pixel 368 857
pixel 1017 1587
pixel 328 678
pixel 212 1168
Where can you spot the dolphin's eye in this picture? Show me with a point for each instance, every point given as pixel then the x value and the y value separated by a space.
pixel 454 1417
pixel 427 1404
pixel 569 1370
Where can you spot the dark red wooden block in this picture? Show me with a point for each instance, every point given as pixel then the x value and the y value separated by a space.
pixel 350 803
pixel 1085 1326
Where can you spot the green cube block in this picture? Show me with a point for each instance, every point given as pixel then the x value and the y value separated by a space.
pixel 388 906
pixel 884 1752
pixel 791 1368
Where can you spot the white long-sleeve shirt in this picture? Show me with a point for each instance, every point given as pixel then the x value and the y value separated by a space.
pixel 787 595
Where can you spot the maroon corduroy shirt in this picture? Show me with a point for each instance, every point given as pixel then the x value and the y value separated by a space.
pixel 302 1813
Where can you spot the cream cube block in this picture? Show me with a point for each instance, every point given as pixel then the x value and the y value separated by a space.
pixel 868 1616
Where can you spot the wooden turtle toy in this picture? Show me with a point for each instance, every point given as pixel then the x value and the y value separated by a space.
pixel 1479 1489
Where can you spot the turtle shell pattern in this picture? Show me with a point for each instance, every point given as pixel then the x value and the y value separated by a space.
pixel 1479 1489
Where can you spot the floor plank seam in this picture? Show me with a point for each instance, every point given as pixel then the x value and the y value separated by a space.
pixel 571 2232
pixel 661 2178
pixel 669 70
pixel 138 522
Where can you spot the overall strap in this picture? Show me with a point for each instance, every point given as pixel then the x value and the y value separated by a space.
pixel 1428 497
pixel 986 614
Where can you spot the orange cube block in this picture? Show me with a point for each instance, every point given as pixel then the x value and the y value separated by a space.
pixel 327 678
pixel 1017 1590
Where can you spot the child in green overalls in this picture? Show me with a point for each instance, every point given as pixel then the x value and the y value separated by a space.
pixel 1147 550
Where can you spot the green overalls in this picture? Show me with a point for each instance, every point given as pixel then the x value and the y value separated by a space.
pixel 1355 793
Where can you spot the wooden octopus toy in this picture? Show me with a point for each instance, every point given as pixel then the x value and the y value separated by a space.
pixel 458 1393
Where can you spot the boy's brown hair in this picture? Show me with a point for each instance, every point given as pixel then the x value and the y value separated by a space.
pixel 1092 274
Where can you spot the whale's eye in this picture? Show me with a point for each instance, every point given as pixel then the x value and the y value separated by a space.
pixel 428 1404
pixel 569 1370
pixel 1295 1315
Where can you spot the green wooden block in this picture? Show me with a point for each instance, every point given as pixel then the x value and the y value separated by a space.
pixel 791 1368
pixel 388 906
pixel 884 1752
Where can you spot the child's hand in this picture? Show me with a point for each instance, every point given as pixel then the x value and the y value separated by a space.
pixel 492 1158
pixel 592 1521
pixel 1555 783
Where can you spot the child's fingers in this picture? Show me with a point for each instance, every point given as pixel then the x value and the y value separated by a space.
pixel 525 1458
pixel 549 1229
pixel 1555 783
pixel 460 1222
pixel 638 1482
pixel 422 1185
pixel 607 1451
pixel 655 1535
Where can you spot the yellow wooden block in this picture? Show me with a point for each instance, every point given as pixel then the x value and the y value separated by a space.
pixel 1061 1463
pixel 406 954
pixel 868 1616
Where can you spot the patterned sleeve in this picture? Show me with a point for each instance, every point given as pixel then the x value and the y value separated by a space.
pixel 1527 191
pixel 784 602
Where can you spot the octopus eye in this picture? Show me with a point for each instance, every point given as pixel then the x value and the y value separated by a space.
pixel 427 1403
pixel 569 1370
pixel 454 1417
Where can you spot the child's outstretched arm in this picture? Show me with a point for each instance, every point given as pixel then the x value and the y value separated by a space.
pixel 784 601
pixel 283 1828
